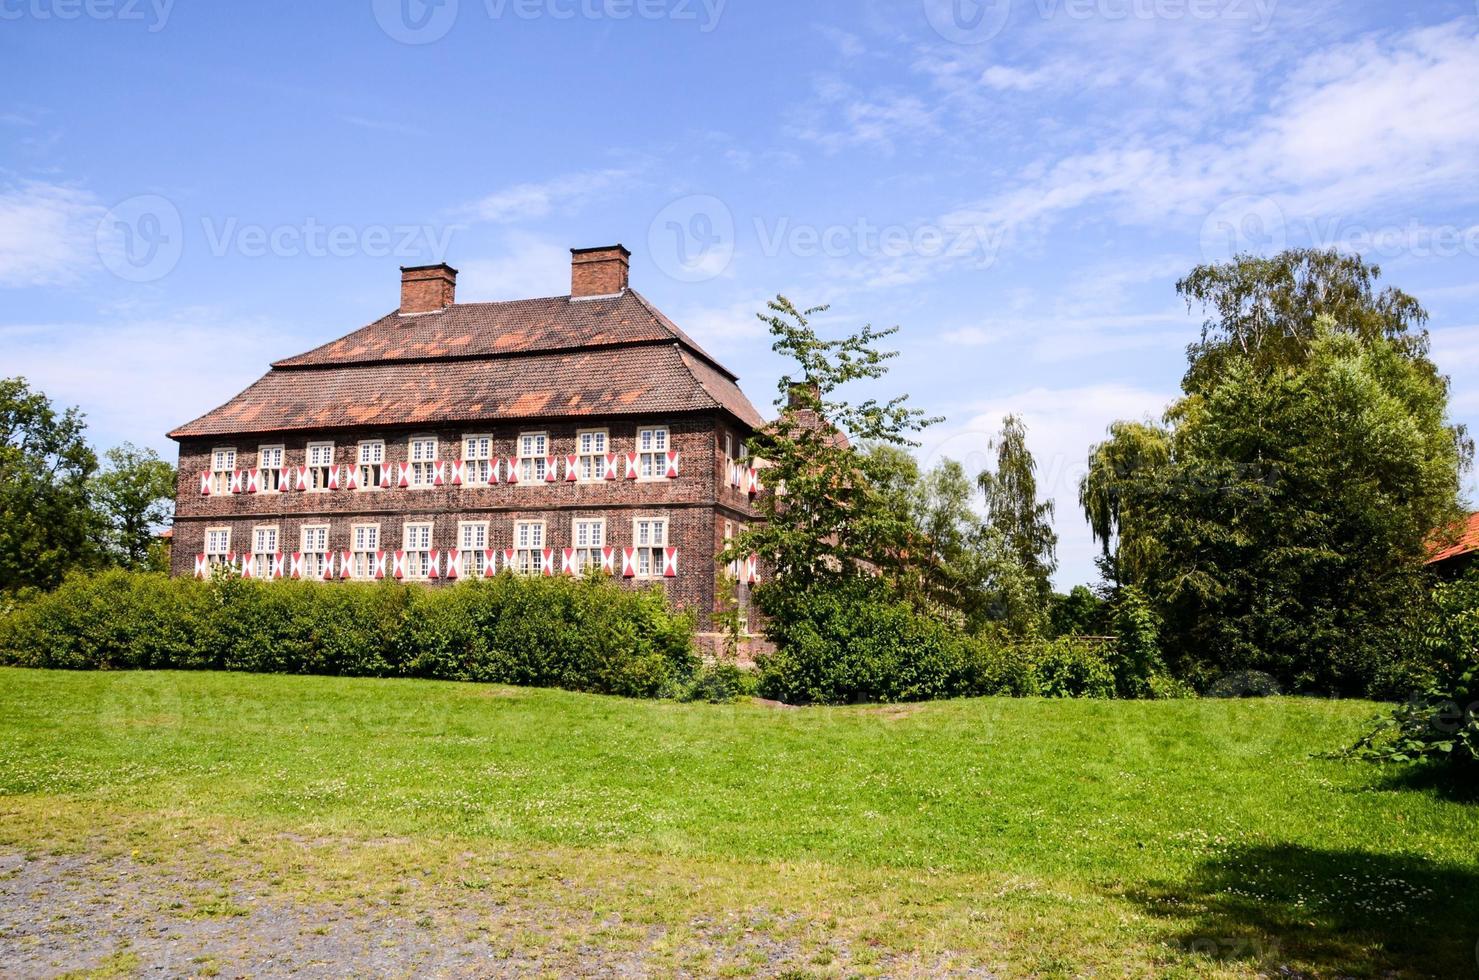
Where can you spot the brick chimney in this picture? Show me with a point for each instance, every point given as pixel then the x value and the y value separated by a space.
pixel 427 288
pixel 598 271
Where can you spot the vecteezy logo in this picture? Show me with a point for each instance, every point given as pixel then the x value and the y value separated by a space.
pixel 692 239
pixel 142 238
pixel 415 21
pixel 1244 224
pixel 968 21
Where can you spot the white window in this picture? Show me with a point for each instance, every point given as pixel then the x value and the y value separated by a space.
pixel 477 452
pixel 418 550
pixel 371 464
pixel 590 538
pixel 269 466
pixel 217 545
pixel 728 445
pixel 650 536
pixel 590 447
pixel 652 453
pixel 315 549
pixel 320 462
pixel 223 464
pixel 364 544
pixel 423 461
pixel 533 450
pixel 529 546
pixel 472 540
pixel 733 568
pixel 264 548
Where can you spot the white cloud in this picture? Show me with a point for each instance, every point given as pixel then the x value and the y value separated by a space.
pixel 529 265
pixel 1004 78
pixel 48 234
pixel 524 202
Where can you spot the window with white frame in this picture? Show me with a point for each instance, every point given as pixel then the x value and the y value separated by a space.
pixel 364 541
pixel 732 569
pixel 223 465
pixel 590 538
pixel 533 450
pixel 320 464
pixel 591 448
pixel 269 468
pixel 423 454
pixel 315 549
pixel 529 547
pixel 217 545
pixel 650 536
pixel 371 463
pixel 652 452
pixel 418 550
pixel 472 541
pixel 264 548
pixel 477 452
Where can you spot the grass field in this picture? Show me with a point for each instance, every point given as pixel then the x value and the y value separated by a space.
pixel 1021 837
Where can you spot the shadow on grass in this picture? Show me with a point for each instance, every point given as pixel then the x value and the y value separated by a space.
pixel 1326 913
pixel 1445 782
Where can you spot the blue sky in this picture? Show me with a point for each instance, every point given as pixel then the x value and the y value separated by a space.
pixel 190 190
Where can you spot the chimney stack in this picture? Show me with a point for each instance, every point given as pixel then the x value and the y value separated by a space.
pixel 427 288
pixel 598 271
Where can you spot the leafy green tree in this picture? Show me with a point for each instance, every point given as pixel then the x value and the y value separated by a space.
pixel 134 496
pixel 46 525
pixel 1079 613
pixel 1278 521
pixel 1014 511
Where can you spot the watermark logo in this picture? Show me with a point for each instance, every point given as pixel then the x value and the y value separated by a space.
pixel 968 21
pixel 416 21
pixel 141 239
pixel 1244 224
pixel 692 239
pixel 153 13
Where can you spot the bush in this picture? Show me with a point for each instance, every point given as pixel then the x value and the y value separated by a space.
pixel 720 683
pixel 583 635
pixel 1070 668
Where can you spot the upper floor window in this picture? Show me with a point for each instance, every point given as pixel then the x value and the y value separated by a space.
pixel 591 448
pixel 472 541
pixel 533 455
pixel 315 549
pixel 418 550
pixel 652 452
pixel 477 452
pixel 590 538
pixel 223 465
pixel 371 463
pixel 364 544
pixel 269 467
pixel 320 463
pixel 423 461
pixel 650 536
pixel 529 547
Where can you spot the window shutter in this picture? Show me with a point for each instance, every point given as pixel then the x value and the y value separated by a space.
pixel 753 480
pixel 513 471
pixel 508 560
pixel 674 458
pixel 333 478
pixel 328 572
pixel 752 570
pixel 631 466
pixel 436 561
pixel 608 560
pixel 611 464
pixel 567 562
pixel 248 565
pixel 202 566
pixel 490 563
pixel 279 565
pixel 235 483
pixel 572 464
pixel 384 476
pixel 436 473
pixel 670 563
pixel 454 560
pixel 351 477
pixel 296 565
pixel 547 562
pixel 398 565
pixel 205 484
pixel 493 471
pixel 629 563
pixel 459 473
pixel 551 469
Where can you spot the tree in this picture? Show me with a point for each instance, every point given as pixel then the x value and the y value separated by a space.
pixel 1079 613
pixel 1014 511
pixel 830 516
pixel 1278 520
pixel 46 526
pixel 133 496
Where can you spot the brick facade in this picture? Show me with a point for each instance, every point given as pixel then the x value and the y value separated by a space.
pixel 697 504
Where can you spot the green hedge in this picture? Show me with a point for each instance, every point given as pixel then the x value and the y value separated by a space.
pixel 582 635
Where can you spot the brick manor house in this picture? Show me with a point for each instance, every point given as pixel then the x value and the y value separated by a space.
pixel 448 441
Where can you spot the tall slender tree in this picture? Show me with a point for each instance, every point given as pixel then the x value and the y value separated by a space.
pixel 1013 510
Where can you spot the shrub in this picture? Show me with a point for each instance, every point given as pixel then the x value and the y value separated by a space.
pixel 720 683
pixel 1137 647
pixel 1071 668
pixel 584 635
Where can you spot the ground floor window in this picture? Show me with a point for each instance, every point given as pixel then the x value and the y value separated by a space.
pixel 217 545
pixel 472 540
pixel 364 544
pixel 589 540
pixel 650 536
pixel 529 547
pixel 315 550
pixel 418 550
pixel 264 550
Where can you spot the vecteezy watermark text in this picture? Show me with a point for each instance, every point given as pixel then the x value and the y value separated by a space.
pixel 978 21
pixel 425 21
pixel 153 12
pixel 1258 225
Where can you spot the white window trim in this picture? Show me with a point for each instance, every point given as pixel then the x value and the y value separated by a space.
pixel 539 458
pixel 221 479
pixel 281 468
pixel 655 569
pixel 598 474
pixel 263 559
pixel 206 546
pixel 354 571
pixel 327 552
pixel 575 540
pixel 436 451
pixel 491 459
pixel 659 471
pixel 307 458
pixel 538 550
pixel 406 548
pixel 359 463
pixel 471 556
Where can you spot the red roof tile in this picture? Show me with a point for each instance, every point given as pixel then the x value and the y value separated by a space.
pixel 1458 541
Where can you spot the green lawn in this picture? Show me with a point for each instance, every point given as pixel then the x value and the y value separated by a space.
pixel 1027 836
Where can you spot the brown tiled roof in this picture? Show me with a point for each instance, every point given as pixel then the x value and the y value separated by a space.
pixel 1455 541
pixel 542 358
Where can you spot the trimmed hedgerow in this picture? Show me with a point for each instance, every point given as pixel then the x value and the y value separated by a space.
pixel 582 635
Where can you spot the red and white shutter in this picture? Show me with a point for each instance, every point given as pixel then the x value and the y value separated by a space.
pixel 508 560
pixel 670 563
pixel 513 471
pixel 567 561
pixel 490 563
pixel 351 478
pixel 629 563
pixel 436 473
pixel 572 464
pixel 402 475
pixel 632 467
pixel 551 469
pixel 609 468
pixel 753 481
pixel 675 458
pixel 454 564
pixel 436 562
pixel 328 573
pixel 608 560
pixel 384 476
pixel 279 565
pixel 301 478
pixel 333 478
pixel 752 570
pixel 459 472
pixel 378 565
pixel 547 562
pixel 493 465
pixel 205 484
pixel 398 565
pixel 202 566
pixel 248 565
pixel 346 564
pixel 296 565
pixel 235 484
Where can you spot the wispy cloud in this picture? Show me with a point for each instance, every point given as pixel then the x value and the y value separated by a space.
pixel 525 202
pixel 48 234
